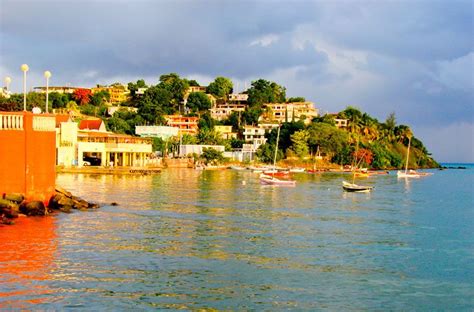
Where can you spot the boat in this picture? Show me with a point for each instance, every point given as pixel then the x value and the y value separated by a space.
pixel 361 174
pixel 237 168
pixel 352 187
pixel 297 170
pixel 269 179
pixel 410 173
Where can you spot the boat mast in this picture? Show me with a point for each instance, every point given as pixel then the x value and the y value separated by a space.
pixel 276 149
pixel 408 154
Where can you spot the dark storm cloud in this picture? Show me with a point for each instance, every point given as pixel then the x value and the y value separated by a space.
pixel 411 57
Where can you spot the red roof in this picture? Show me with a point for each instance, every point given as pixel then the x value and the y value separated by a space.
pixel 90 124
pixel 61 118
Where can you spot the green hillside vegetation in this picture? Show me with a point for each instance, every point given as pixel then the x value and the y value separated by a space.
pixel 365 141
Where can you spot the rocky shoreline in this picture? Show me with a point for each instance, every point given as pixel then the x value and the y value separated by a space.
pixel 14 205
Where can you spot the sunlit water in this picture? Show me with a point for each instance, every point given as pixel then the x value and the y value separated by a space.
pixel 186 239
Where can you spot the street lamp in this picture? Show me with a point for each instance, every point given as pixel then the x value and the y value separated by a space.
pixel 7 82
pixel 24 69
pixel 47 74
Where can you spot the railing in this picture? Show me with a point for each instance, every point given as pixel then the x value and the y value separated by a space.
pixel 11 122
pixel 43 123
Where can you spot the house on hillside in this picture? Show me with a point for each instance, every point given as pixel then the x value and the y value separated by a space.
pixel 95 124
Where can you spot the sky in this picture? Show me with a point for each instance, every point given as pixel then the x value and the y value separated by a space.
pixel 411 57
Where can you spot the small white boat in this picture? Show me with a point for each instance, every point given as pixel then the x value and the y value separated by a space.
pixel 269 180
pixel 297 169
pixel 238 168
pixel 408 174
pixel 352 187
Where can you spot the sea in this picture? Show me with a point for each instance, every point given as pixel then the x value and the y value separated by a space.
pixel 219 240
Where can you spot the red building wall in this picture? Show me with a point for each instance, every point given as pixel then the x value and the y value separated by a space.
pixel 27 155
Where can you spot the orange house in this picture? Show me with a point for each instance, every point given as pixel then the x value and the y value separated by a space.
pixel 28 154
pixel 186 125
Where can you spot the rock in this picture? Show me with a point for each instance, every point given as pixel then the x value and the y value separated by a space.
pixel 14 197
pixel 65 201
pixel 114 204
pixel 60 190
pixel 93 206
pixel 34 208
pixel 10 212
pixel 4 203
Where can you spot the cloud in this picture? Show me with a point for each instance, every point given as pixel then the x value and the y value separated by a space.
pixel 413 58
pixel 451 143
pixel 457 73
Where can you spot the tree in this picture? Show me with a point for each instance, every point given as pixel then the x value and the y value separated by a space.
pixel 82 96
pixel 198 101
pixel 206 121
pixel 296 99
pixel 212 156
pixel 221 87
pixel 330 139
pixel 287 129
pixel 263 91
pixel 176 86
pixel 251 115
pixel 209 137
pixel 193 83
pixel 299 144
pixel 99 98
pixel 118 125
pixel 154 104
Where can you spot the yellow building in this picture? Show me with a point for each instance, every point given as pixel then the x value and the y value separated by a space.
pixel 97 147
pixel 118 93
pixel 282 112
pixel 225 132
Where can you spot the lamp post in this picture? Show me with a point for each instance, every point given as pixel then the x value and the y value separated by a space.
pixel 24 69
pixel 47 74
pixel 7 82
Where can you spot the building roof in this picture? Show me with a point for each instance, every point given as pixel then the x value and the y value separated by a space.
pixel 60 119
pixel 90 124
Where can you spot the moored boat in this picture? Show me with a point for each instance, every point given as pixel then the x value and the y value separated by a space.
pixel 352 187
pixel 271 180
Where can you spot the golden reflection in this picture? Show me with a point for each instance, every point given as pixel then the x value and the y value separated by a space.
pixel 27 255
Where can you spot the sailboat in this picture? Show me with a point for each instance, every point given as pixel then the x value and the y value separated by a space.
pixel 408 173
pixel 269 179
pixel 352 187
pixel 316 157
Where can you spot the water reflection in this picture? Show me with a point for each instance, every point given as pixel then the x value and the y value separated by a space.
pixel 187 239
pixel 28 252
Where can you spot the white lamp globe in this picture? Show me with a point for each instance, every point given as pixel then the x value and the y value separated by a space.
pixel 24 67
pixel 47 74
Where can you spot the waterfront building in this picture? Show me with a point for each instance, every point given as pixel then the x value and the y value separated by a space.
pixel 225 132
pixel 27 154
pixel 185 124
pixel 286 112
pixel 223 111
pixel 89 144
pixel 163 132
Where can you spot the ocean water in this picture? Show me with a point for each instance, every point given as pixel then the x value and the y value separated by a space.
pixel 186 239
